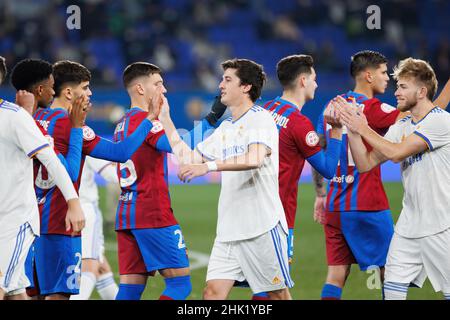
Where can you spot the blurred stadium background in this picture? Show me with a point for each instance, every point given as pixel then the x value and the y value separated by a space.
pixel 188 40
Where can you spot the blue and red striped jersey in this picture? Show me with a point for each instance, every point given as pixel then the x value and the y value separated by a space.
pixel 350 190
pixel 144 201
pixel 51 202
pixel 297 141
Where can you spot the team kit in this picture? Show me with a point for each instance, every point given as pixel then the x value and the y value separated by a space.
pixel 51 227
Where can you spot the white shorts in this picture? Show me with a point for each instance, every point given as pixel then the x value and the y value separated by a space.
pixel 92 239
pixel 413 260
pixel 14 247
pixel 262 261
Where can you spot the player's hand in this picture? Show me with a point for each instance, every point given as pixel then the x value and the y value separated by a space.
pixel 319 209
pixel 75 217
pixel 191 171
pixel 352 116
pixel 25 99
pixel 217 111
pixel 155 105
pixel 78 111
pixel 332 114
pixel 165 108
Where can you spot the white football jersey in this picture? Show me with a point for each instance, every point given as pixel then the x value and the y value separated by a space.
pixel 88 187
pixel 425 176
pixel 20 140
pixel 249 203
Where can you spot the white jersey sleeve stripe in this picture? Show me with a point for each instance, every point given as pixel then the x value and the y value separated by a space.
pixel 428 142
pixel 33 153
pixel 259 142
pixel 208 157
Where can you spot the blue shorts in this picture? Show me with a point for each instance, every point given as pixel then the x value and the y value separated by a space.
pixel 143 251
pixel 29 265
pixel 58 264
pixel 358 236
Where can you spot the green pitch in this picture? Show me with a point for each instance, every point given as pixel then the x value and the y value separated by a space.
pixel 195 207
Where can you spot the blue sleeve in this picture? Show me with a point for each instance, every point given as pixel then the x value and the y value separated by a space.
pixel 123 150
pixel 320 128
pixel 192 138
pixel 72 161
pixel 326 162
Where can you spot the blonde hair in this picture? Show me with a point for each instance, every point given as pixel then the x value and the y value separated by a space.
pixel 420 71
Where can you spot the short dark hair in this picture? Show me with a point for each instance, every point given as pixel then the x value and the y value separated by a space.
pixel 366 59
pixel 2 69
pixel 69 72
pixel 138 69
pixel 290 67
pixel 30 72
pixel 250 73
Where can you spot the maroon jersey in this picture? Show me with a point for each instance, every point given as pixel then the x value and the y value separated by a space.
pixel 298 141
pixel 144 201
pixel 52 205
pixel 350 190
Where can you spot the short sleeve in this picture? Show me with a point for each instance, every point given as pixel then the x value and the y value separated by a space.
pixel 305 137
pixel 211 147
pixel 90 139
pixel 29 137
pixel 380 116
pixel 155 133
pixel 262 130
pixel 435 130
pixel 393 135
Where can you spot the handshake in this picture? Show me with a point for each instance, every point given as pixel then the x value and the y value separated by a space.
pixel 340 112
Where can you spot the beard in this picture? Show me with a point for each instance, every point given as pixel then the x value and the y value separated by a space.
pixel 409 103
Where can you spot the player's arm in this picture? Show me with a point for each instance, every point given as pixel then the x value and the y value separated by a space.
pixel 183 153
pixel 253 159
pixel 326 162
pixel 383 148
pixel 74 218
pixel 123 150
pixel 193 137
pixel 107 169
pixel 30 138
pixel 317 177
pixel 364 160
pixel 443 99
pixel 77 115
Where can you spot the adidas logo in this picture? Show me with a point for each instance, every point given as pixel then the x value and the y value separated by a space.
pixel 276 280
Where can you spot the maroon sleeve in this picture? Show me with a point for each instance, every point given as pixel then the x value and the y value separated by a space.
pixel 154 134
pixel 90 140
pixel 380 116
pixel 304 136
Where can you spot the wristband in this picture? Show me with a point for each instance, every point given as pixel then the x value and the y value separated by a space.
pixel 212 165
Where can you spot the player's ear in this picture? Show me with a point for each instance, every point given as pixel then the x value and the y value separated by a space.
pixel 38 90
pixel 368 76
pixel 67 93
pixel 140 88
pixel 422 92
pixel 302 80
pixel 246 88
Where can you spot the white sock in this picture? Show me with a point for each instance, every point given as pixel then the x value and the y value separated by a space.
pixel 86 286
pixel 395 291
pixel 447 295
pixel 107 287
